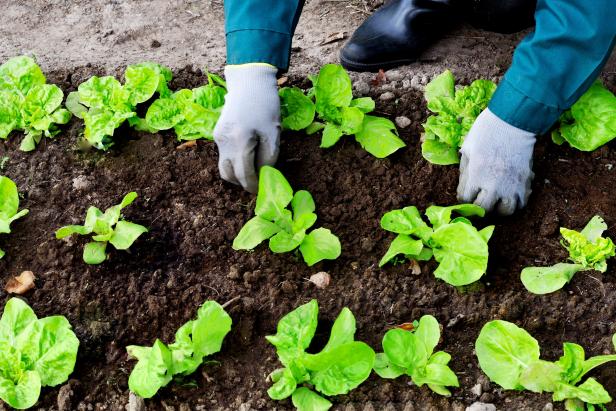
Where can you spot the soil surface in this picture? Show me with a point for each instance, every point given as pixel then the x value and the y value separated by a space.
pixel 186 258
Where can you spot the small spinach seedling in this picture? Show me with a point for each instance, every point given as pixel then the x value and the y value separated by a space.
pixel 331 98
pixel 9 206
pixel 587 251
pixel 286 229
pixel 192 114
pixel 105 104
pixel 107 227
pixel 455 112
pixel 455 243
pixel 34 353
pixel 412 353
pixel 341 366
pixel 27 103
pixel 194 341
pixel 509 356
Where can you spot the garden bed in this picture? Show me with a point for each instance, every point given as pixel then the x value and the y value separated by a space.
pixel 186 258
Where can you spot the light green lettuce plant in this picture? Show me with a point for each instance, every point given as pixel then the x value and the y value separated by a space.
pixel 339 114
pixel 509 356
pixel 28 104
pixel 590 122
pixel 588 250
pixel 455 112
pixel 194 341
pixel 34 353
pixel 108 227
pixel 192 114
pixel 9 206
pixel 412 353
pixel 340 367
pixel 460 249
pixel 286 229
pixel 105 104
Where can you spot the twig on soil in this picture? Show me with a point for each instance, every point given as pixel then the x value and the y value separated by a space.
pixel 231 301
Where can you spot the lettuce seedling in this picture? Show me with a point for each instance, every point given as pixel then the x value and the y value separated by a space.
pixel 9 206
pixel 460 248
pixel 587 251
pixel 192 114
pixel 28 104
pixel 509 356
pixel 105 104
pixel 34 353
pixel 590 122
pixel 339 113
pixel 195 340
pixel 412 353
pixel 340 367
pixel 455 112
pixel 286 229
pixel 108 227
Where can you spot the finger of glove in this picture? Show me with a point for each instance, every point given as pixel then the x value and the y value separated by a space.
pixel 486 199
pixel 269 147
pixel 464 172
pixel 244 166
pixel 507 206
pixel 225 167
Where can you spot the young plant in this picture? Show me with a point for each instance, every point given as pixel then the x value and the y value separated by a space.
pixel 34 353
pixel 412 353
pixel 590 122
pixel 455 112
pixel 108 227
pixel 28 104
pixel 286 229
pixel 339 112
pixel 509 356
pixel 587 250
pixel 341 366
pixel 191 113
pixel 104 103
pixel 9 206
pixel 460 248
pixel 195 340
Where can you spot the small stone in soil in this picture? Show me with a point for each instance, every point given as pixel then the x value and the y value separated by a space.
pixel 135 403
pixel 477 390
pixel 403 122
pixel 387 96
pixel 481 406
pixel 321 279
pixel 234 273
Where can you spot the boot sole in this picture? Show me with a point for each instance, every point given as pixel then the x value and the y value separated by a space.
pixel 373 67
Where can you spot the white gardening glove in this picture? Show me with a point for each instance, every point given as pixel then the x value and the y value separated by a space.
pixel 248 131
pixel 496 165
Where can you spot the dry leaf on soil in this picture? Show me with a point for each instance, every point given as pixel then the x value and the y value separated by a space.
pixel 20 284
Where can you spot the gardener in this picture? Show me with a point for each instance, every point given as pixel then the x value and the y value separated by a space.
pixel 551 68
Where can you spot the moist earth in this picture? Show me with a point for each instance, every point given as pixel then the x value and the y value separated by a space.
pixel 193 216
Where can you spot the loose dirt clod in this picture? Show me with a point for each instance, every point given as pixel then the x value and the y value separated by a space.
pixel 321 279
pixel 20 284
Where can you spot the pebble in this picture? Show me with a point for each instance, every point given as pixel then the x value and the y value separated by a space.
pixel 362 88
pixel 481 406
pixel 477 390
pixel 64 397
pixel 406 83
pixel 394 75
pixel 403 122
pixel 80 183
pixel 320 279
pixel 234 272
pixel 387 96
pixel 135 403
pixel 416 82
pixel 548 407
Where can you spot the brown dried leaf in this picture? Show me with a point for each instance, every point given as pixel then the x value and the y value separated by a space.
pixel 333 37
pixel 379 79
pixel 282 81
pixel 321 279
pixel 406 326
pixel 20 284
pixel 415 267
pixel 187 145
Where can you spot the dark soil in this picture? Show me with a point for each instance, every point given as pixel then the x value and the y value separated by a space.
pixel 186 258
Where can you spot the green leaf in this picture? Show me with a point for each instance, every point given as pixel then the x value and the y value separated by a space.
pixel 99 92
pixel 210 328
pixel 343 330
pixel 125 233
pixel 405 349
pixel 306 400
pixel 352 120
pixel 57 351
pixel 314 128
pixel 151 372
pixel 141 83
pixel 541 376
pixel 333 88
pixel 442 85
pixel 590 391
pixel 385 368
pixel 437 376
pixel 164 114
pixel 9 198
pixel 462 253
pixel 505 351
pixel 590 254
pixel 74 106
pixel 440 153
pixel 592 363
pixel 331 135
pixel 545 280
pixel 378 136
pixel 20 74
pixel 10 113
pixel 16 317
pixel 255 231
pixel 296 109
pixel 594 229
pixel 198 123
pixel 320 245
pixel 21 394
pixel 440 216
pixel 572 362
pixel 402 244
pixel 303 210
pixel 341 369
pixel 274 194
pixel 164 75
pixel 283 242
pixel 365 104
pixel 428 332
pixel 284 386
pixel 94 252
pixel 406 221
pixel 295 331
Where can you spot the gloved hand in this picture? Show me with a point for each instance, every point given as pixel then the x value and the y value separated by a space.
pixel 248 131
pixel 496 165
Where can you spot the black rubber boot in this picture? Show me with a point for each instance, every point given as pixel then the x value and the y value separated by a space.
pixel 502 16
pixel 397 34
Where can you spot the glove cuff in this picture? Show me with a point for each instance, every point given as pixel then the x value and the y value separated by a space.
pixel 249 80
pixel 496 126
